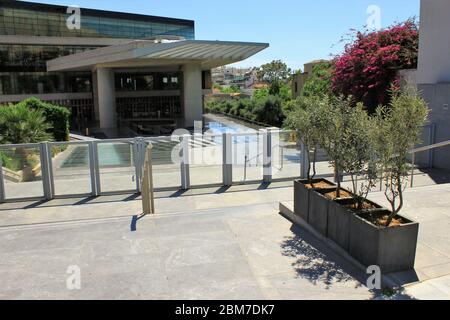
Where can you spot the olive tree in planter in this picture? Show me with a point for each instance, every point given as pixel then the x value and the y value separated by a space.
pixel 359 161
pixel 333 123
pixel 385 238
pixel 305 119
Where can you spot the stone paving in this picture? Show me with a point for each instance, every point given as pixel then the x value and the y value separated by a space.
pixel 222 243
pixel 238 253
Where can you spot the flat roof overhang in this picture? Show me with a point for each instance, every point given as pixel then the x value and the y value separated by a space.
pixel 146 53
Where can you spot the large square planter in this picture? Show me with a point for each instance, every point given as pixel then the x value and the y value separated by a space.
pixel 319 206
pixel 392 249
pixel 302 196
pixel 339 214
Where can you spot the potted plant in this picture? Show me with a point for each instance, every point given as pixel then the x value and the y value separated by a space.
pixel 359 161
pixel 333 126
pixel 305 120
pixel 385 238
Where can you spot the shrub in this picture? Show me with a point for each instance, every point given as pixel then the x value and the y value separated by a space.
pixel 266 109
pixel 368 67
pixel 19 124
pixel 57 116
pixel 269 111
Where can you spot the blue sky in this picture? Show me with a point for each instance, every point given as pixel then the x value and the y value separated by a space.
pixel 298 30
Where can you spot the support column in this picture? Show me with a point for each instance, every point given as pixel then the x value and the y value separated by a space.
pixel 192 94
pixel 106 97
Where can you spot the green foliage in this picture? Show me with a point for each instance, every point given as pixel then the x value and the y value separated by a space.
pixel 359 157
pixel 19 124
pixel 264 109
pixel 231 89
pixel 374 148
pixel 304 116
pixel 398 129
pixel 276 70
pixel 320 81
pixel 57 116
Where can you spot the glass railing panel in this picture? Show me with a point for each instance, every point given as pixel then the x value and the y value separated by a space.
pixel 247 157
pixel 205 159
pixel 71 169
pixel 166 157
pixel 22 174
pixel 116 166
pixel 286 155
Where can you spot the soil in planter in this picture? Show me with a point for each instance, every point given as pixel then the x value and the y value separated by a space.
pixel 380 218
pixel 332 195
pixel 365 206
pixel 319 185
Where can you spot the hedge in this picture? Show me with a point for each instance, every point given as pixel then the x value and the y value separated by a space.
pixel 57 116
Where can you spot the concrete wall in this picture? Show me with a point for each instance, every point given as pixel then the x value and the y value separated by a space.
pixel 433 72
pixel 434 47
pixel 438 98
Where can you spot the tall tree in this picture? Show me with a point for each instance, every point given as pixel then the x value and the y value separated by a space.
pixel 274 71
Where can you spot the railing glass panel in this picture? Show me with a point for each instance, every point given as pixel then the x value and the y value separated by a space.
pixel 71 172
pixel 247 157
pixel 205 159
pixel 166 158
pixel 286 155
pixel 116 164
pixel 21 171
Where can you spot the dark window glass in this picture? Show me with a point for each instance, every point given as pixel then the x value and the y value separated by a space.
pixel 43 83
pixel 37 23
pixel 148 82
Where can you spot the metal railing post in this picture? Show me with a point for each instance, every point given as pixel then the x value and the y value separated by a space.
pixel 98 188
pixel 413 160
pixel 50 169
pixel 431 142
pixel 227 160
pixel 93 174
pixel 185 174
pixel 2 183
pixel 267 156
pixel 43 152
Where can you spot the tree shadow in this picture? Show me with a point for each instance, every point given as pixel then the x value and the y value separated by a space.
pixel 316 262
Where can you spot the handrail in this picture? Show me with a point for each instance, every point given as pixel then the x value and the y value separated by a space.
pixel 430 147
pixel 422 149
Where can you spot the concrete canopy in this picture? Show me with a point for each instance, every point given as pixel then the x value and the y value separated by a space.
pixel 145 53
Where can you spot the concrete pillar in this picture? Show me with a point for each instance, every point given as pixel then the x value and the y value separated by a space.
pixel 192 94
pixel 106 97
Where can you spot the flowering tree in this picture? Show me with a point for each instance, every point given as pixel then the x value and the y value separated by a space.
pixel 368 67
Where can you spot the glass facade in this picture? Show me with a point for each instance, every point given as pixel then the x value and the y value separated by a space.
pixel 18 18
pixel 44 83
pixel 23 69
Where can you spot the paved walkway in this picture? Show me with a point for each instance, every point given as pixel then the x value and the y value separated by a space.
pixel 205 243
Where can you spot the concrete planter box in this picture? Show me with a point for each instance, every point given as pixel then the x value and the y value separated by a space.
pixel 302 197
pixel 392 249
pixel 339 215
